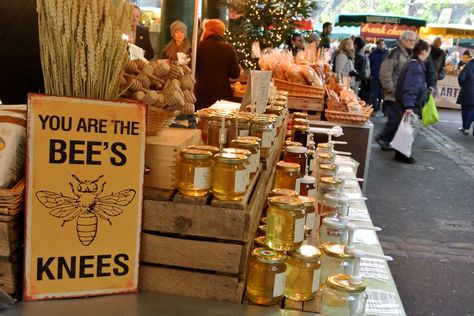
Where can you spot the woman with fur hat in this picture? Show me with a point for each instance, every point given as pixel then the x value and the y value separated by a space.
pixel 178 44
pixel 216 63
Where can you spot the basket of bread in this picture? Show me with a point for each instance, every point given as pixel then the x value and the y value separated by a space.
pixel 343 105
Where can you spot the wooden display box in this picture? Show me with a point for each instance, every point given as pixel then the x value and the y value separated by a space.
pixel 200 247
pixel 162 153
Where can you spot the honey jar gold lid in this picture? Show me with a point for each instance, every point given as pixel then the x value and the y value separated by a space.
pixel 262 229
pixel 244 143
pixel 288 166
pixel 231 158
pixel 300 121
pixel 324 145
pixel 308 200
pixel 307 253
pixel 301 128
pixel 267 255
pixel 284 192
pixel 260 241
pixel 325 155
pixel 341 282
pixel 308 179
pixel 289 143
pixel 286 202
pixel 213 149
pixel 297 149
pixel 335 250
pixel 255 138
pixel 330 180
pixel 300 115
pixel 282 92
pixel 327 166
pixel 239 151
pixel 204 113
pixel 195 154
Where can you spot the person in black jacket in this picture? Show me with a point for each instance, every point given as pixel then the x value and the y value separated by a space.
pixel 216 62
pixel 140 35
pixel 362 68
pixel 439 58
pixel 466 96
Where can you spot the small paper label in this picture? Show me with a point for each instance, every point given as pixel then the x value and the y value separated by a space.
pixel 201 178
pixel 222 135
pixel 241 180
pixel 299 230
pixel 311 164
pixel 279 285
pixel 254 162
pixel 266 139
pixel 312 193
pixel 316 276
pixel 244 132
pixel 297 185
pixel 310 217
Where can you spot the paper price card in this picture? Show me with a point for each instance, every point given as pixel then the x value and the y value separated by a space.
pixel 260 89
pixel 84 196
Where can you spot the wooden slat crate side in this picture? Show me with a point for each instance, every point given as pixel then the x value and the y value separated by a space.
pixel 292 305
pixel 203 255
pixel 158 194
pixel 10 273
pixel 188 283
pixel 194 220
pixel 313 306
pixel 10 237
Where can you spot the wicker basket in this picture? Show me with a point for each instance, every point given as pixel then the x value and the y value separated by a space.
pixel 349 117
pixel 157 119
pixel 299 90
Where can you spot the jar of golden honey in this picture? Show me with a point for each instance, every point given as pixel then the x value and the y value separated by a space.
pixel 254 148
pixel 326 170
pixel 239 126
pixel 213 149
pixel 302 273
pixel 194 172
pixel 334 260
pixel 262 127
pixel 266 276
pixel 286 174
pixel 310 212
pixel 323 148
pixel 300 134
pixel 342 298
pixel 203 119
pixel 218 127
pixel 229 176
pixel 297 154
pixel 285 223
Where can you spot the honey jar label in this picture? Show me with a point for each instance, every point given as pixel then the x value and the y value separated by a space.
pixel 244 132
pixel 267 139
pixel 254 162
pixel 311 164
pixel 299 230
pixel 310 217
pixel 316 276
pixel 297 185
pixel 201 178
pixel 241 180
pixel 312 192
pixel 279 285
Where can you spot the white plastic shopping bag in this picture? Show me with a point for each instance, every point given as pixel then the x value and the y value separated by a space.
pixel 405 135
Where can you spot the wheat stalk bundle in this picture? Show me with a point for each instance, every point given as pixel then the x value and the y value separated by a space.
pixel 83 52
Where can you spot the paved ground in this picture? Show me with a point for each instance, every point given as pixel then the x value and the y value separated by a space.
pixel 426 211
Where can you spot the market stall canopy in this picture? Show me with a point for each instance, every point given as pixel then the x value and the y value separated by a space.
pixel 356 19
pixel 448 30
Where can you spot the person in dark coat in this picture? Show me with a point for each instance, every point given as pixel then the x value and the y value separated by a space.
pixel 376 58
pixel 216 63
pixel 466 96
pixel 361 67
pixel 140 35
pixel 411 91
pixel 439 58
pixel 325 41
pixel 178 44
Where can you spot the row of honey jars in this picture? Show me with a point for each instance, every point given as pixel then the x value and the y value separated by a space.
pixel 273 274
pixel 226 175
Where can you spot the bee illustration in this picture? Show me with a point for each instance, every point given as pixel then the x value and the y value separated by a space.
pixel 86 207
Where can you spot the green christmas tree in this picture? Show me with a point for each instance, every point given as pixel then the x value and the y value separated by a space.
pixel 270 22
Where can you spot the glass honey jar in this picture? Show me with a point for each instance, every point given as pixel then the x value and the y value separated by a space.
pixel 307 186
pixel 266 276
pixel 324 148
pixel 285 223
pixel 300 134
pixel 203 119
pixel 218 127
pixel 241 151
pixel 285 192
pixel 332 230
pixel 310 212
pixel 254 148
pixel 262 230
pixel 292 143
pixel 326 170
pixel 194 172
pixel 213 149
pixel 300 115
pixel 334 260
pixel 286 174
pixel 260 242
pixel 297 154
pixel 323 158
pixel 278 111
pixel 342 298
pixel 300 121
pixel 239 126
pixel 229 176
pixel 302 273
pixel 327 185
pixel 262 127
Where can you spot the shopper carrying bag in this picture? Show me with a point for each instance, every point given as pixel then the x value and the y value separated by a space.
pixel 405 135
pixel 429 113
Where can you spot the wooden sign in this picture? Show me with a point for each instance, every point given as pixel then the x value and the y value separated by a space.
pixel 84 193
pixel 378 30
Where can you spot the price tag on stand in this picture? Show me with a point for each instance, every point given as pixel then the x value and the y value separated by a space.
pixel 260 85
pixel 374 269
pixel 382 303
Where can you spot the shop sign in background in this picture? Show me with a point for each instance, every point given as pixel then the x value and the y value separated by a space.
pixel 378 30
pixel 84 196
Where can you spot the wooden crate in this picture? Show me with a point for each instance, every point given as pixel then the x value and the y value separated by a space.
pixel 308 104
pixel 11 234
pixel 200 247
pixel 162 153
pixel 11 272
